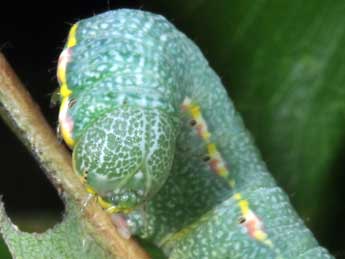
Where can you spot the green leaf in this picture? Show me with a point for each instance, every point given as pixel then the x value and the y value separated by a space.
pixel 66 240
pixel 4 253
pixel 283 63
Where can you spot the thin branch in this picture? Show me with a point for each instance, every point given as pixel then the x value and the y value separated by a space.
pixel 25 119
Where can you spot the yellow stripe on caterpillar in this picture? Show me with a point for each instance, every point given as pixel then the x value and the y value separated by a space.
pixel 65 91
pixel 72 39
pixel 66 123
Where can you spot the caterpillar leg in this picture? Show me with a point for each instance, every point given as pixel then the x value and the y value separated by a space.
pixel 120 221
pixel 110 208
pixel 117 216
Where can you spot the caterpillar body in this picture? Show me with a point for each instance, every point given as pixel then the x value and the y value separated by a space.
pixel 155 136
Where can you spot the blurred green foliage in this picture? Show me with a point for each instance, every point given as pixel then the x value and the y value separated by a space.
pixel 4 253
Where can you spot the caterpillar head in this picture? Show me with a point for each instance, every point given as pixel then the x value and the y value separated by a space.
pixel 126 155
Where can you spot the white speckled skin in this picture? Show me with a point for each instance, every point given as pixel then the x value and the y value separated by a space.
pixel 131 66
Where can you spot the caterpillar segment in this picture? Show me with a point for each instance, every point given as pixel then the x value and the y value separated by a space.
pixel 153 126
pixel 250 221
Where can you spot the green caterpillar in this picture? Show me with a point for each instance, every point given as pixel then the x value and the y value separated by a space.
pixel 156 138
